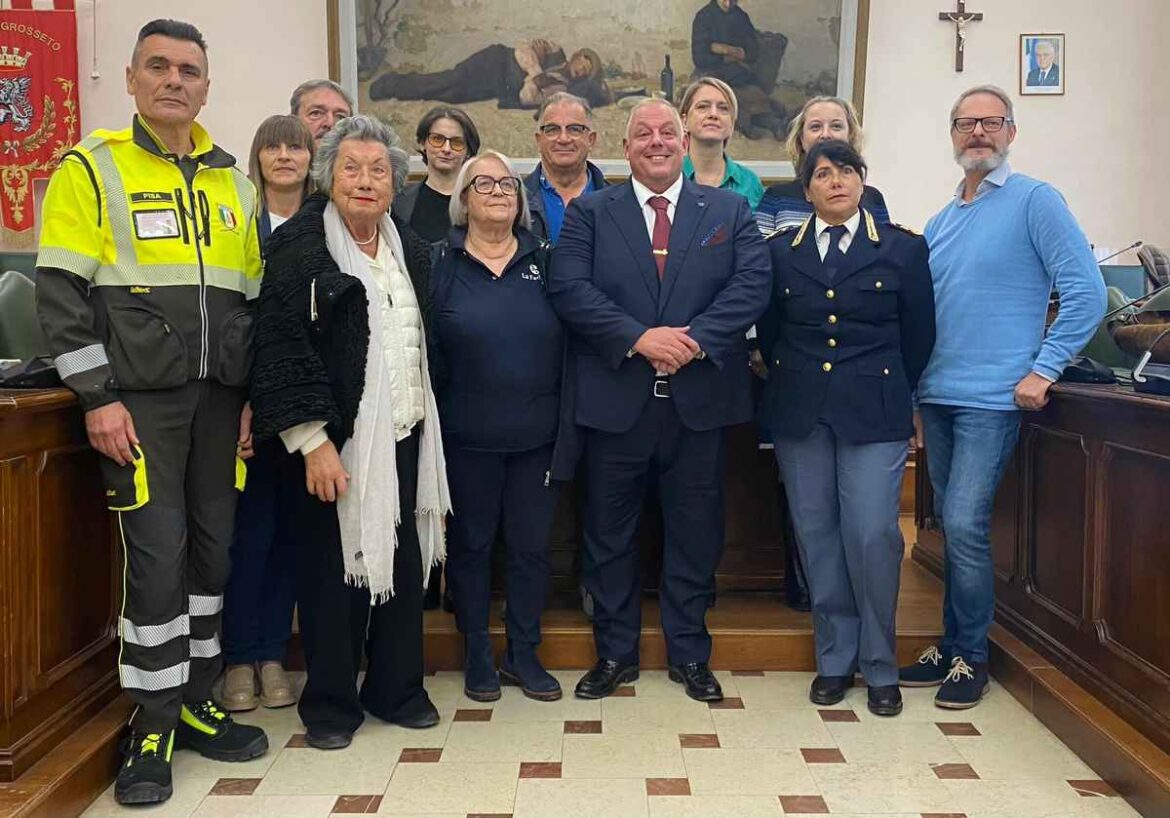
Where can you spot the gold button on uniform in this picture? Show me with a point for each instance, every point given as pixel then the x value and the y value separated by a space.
pixel 832 319
pixel 828 367
pixel 878 285
pixel 885 372
pixel 787 291
pixel 830 294
pixel 833 342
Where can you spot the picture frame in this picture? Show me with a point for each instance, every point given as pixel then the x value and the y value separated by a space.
pixel 403 38
pixel 1042 65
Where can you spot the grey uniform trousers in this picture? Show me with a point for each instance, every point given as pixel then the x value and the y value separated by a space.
pixel 844 501
pixel 175 508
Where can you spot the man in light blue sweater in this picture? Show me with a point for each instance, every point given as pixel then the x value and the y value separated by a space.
pixel 997 251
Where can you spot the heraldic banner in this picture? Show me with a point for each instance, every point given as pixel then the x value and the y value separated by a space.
pixel 39 111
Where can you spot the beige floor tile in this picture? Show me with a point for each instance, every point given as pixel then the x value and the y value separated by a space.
pixel 280 720
pixel 776 691
pixel 1023 754
pixel 262 806
pixel 1032 799
pixel 460 788
pixel 716 806
pixel 748 772
pixel 189 792
pixel 379 735
pixel 917 706
pixel 567 708
pixel 658 683
pixel 190 763
pixel 473 742
pixel 652 755
pixel 894 741
pixel 873 787
pixel 655 714
pixel 359 769
pixel 599 798
pixel 789 729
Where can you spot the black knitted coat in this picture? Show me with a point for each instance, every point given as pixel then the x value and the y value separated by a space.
pixel 312 329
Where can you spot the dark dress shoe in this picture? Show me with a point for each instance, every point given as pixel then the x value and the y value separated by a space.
pixel 700 683
pixel 827 690
pixel 604 679
pixel 328 739
pixel 885 700
pixel 419 717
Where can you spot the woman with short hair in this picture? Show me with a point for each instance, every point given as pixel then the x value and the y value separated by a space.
pixel 341 377
pixel 498 350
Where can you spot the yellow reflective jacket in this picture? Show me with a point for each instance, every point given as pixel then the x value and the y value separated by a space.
pixel 146 265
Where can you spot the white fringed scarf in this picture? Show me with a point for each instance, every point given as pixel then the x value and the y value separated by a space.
pixel 369 513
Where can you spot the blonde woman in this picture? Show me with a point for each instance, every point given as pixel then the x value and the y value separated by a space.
pixel 709 109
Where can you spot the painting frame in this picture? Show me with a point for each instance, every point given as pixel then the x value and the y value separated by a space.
pixel 852 57
pixel 1033 82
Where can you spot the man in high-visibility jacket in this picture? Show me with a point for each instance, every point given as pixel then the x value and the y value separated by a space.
pixel 148 258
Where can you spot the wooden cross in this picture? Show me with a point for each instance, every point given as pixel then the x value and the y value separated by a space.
pixel 960 17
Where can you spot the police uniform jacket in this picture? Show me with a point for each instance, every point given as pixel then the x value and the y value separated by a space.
pixel 147 262
pixel 847 346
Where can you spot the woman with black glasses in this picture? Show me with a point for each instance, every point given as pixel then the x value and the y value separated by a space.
pixel 498 350
pixel 447 138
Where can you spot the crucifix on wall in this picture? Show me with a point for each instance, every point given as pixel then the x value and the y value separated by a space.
pixel 961 18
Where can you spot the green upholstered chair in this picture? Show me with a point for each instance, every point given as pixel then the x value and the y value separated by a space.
pixel 20 331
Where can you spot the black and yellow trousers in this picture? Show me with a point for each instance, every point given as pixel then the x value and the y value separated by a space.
pixel 175 508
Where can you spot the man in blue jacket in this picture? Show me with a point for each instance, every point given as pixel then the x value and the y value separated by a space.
pixel 997 251
pixel 657 280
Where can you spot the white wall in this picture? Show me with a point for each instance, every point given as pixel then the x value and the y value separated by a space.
pixel 1103 143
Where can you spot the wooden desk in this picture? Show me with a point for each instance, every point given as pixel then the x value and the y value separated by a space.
pixel 60 578
pixel 1081 545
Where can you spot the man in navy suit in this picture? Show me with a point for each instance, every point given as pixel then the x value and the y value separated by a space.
pixel 657 280
pixel 1046 72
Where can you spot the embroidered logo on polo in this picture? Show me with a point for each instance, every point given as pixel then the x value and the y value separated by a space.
pixel 531 274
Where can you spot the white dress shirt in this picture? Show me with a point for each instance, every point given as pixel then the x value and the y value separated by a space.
pixel 851 225
pixel 644 193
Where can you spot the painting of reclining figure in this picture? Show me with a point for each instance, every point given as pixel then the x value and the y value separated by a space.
pixel 500 58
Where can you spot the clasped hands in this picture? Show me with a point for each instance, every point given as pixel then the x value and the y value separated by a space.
pixel 668 349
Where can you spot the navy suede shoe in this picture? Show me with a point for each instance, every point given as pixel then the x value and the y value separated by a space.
pixel 481 683
pixel 964 686
pixel 522 667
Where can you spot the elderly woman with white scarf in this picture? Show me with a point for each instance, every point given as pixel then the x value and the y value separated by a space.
pixel 341 376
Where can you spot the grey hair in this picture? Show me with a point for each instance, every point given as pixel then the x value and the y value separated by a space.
pixel 294 104
pixel 458 208
pixel 364 129
pixel 564 98
pixel 646 103
pixel 991 90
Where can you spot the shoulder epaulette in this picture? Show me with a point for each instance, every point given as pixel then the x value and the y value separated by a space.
pixel 904 228
pixel 780 231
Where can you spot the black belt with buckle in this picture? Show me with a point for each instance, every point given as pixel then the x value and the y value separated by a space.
pixel 661 388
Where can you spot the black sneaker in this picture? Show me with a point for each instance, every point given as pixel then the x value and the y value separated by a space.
pixel 210 731
pixel 964 685
pixel 145 777
pixel 930 669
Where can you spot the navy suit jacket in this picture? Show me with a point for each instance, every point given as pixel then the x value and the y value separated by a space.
pixel 604 285
pixel 847 347
pixel 1052 79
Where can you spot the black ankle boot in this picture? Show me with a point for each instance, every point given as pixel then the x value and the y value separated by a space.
pixel 481 683
pixel 522 667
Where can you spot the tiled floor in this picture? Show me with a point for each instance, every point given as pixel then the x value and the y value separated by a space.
pixel 657 754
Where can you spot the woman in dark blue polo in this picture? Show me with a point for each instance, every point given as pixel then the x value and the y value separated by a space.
pixel 848 332
pixel 497 350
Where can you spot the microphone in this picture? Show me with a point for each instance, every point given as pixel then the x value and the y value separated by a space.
pixel 1129 304
pixel 1133 246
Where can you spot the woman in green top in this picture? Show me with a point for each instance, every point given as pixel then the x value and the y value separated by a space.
pixel 709 108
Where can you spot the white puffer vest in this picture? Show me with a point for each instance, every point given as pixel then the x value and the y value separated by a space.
pixel 401 340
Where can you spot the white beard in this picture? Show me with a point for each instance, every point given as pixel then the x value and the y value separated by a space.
pixel 986 164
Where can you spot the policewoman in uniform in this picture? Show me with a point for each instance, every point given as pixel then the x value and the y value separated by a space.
pixel 497 351
pixel 848 332
pixel 148 260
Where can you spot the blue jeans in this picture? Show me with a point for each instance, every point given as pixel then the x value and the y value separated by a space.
pixel 967 453
pixel 260 595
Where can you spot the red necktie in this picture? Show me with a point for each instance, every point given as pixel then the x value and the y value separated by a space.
pixel 661 236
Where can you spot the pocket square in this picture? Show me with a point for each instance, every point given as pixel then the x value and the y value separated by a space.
pixel 716 236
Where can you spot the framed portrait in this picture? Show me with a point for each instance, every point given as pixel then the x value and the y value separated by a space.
pixel 1042 64
pixel 497 61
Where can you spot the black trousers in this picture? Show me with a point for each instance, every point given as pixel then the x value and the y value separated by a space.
pixel 176 509
pixel 490 490
pixel 337 623
pixel 489 73
pixel 688 465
